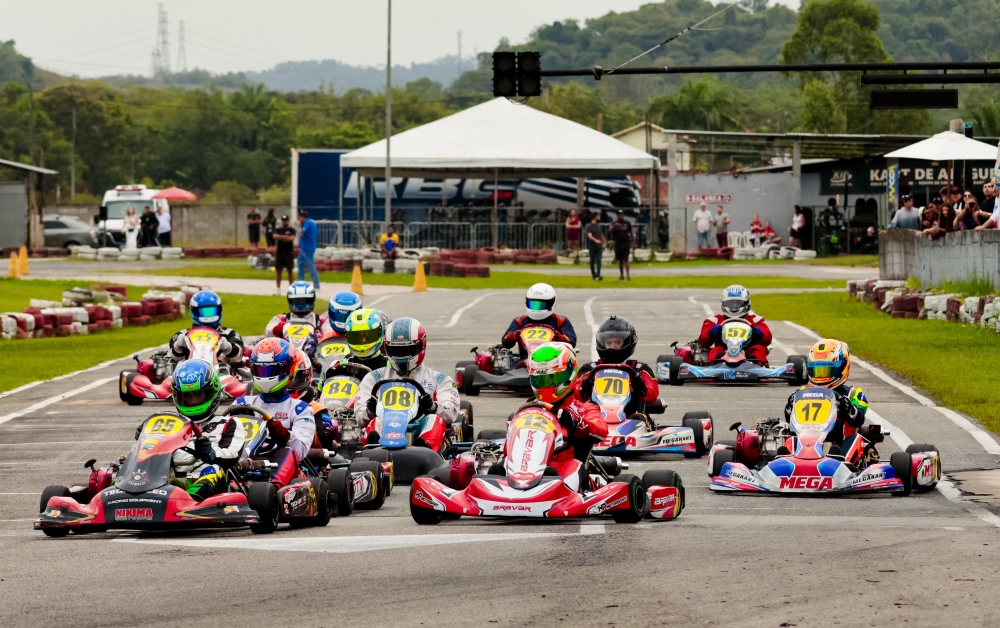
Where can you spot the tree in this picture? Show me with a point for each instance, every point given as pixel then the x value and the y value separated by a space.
pixel 707 105
pixel 821 113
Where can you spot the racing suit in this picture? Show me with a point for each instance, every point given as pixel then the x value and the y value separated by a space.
pixel 230 346
pixel 852 405
pixel 276 326
pixel 760 338
pixel 646 388
pixel 293 428
pixel 207 478
pixel 582 427
pixel 563 328
pixel 436 384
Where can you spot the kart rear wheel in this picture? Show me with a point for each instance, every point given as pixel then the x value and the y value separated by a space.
pixel 122 384
pixel 324 503
pixel 902 466
pixel 128 397
pixel 360 466
pixel 699 436
pixel 469 381
pixel 49 493
pixel 675 367
pixel 342 485
pixel 375 454
pixel 665 477
pixel 56 533
pixel 801 374
pixel 721 457
pixel 263 498
pixel 491 434
pixel 636 501
pixel 467 411
pixel 423 516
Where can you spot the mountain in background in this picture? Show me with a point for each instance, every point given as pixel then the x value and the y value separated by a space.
pixel 300 76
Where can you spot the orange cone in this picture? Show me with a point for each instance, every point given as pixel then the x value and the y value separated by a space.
pixel 356 286
pixel 14 268
pixel 23 261
pixel 419 279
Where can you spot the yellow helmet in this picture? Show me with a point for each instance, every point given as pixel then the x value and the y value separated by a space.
pixel 365 329
pixel 828 363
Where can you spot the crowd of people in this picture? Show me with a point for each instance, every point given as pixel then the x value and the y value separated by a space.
pixel 149 229
pixel 952 209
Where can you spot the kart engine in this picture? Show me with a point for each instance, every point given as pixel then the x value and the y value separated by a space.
pixel 503 359
pixel 347 428
pixel 486 454
pixel 761 442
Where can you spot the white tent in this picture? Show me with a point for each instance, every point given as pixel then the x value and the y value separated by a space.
pixel 947 146
pixel 505 139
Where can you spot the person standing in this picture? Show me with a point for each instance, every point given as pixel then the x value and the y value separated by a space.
pixel 907 217
pixel 163 226
pixel 703 224
pixel 253 227
pixel 270 222
pixel 284 257
pixel 573 225
pixel 148 226
pixel 131 229
pixel 308 236
pixel 795 231
pixel 596 242
pixel 721 227
pixel 624 240
pixel 989 196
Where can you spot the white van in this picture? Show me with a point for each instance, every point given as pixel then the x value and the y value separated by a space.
pixel 118 201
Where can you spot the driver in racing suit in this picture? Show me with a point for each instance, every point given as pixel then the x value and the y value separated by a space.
pixel 736 305
pixel 539 301
pixel 301 301
pixel 206 311
pixel 616 341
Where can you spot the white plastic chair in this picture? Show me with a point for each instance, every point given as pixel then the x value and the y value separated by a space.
pixel 735 239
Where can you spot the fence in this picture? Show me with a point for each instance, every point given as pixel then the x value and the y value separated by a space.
pixel 958 256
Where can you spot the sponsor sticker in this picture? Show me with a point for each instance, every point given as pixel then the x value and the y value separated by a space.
pixel 810 482
pixel 134 514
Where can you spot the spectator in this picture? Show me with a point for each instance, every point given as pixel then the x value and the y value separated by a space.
pixel 253 227
pixel 131 229
pixel 957 198
pixel 929 217
pixel 284 255
pixel 595 246
pixel 907 217
pixel 969 216
pixel 162 226
pixel 308 235
pixel 703 223
pixel 624 240
pixel 832 217
pixel 573 226
pixel 721 227
pixel 148 227
pixel 663 228
pixel 755 229
pixel 944 224
pixel 989 196
pixel 768 235
pixel 389 243
pixel 994 220
pixel 270 222
pixel 795 231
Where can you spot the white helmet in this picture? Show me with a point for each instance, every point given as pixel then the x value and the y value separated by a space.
pixel 540 301
pixel 301 298
pixel 735 301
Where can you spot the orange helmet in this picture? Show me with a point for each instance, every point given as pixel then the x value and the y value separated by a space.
pixel 828 363
pixel 301 384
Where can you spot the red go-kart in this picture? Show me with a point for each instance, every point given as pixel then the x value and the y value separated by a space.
pixel 499 367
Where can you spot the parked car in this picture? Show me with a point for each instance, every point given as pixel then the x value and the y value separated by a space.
pixel 66 231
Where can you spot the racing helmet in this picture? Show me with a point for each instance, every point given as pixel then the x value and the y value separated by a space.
pixel 735 301
pixel 828 363
pixel 552 371
pixel 301 298
pixel 364 332
pixel 540 301
pixel 272 365
pixel 301 384
pixel 195 389
pixel 206 309
pixel 341 306
pixel 405 344
pixel 616 340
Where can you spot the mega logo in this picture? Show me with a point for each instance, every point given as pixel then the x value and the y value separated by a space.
pixel 526 456
pixel 811 482
pixel 133 514
pixel 614 441
pixel 511 508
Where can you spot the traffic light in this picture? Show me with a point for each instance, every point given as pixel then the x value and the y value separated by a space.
pixel 504 74
pixel 517 74
pixel 529 80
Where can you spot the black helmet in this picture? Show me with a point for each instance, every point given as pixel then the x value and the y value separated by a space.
pixel 616 340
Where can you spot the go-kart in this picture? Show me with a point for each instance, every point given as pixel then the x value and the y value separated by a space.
pixel 329 353
pixel 302 336
pixel 149 492
pixel 499 367
pixel 522 484
pixel 690 364
pixel 338 394
pixel 152 378
pixel 795 457
pixel 637 433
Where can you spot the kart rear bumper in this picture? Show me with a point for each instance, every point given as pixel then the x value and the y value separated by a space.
pixel 784 374
pixel 516 379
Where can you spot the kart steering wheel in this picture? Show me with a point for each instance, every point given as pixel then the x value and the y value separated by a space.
pixel 246 408
pixel 407 380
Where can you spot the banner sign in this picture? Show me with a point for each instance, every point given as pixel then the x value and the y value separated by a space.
pixel 892 185
pixel 708 198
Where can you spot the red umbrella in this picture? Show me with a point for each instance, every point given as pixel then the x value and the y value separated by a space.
pixel 175 194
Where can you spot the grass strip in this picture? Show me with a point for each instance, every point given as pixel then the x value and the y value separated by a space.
pixel 953 362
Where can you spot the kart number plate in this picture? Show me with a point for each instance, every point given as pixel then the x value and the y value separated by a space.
pixel 203 338
pixel 163 425
pixel 611 386
pixel 534 421
pixel 336 348
pixel 398 398
pixel 341 389
pixel 812 411
pixel 736 332
pixel 537 334
pixel 298 332
pixel 250 428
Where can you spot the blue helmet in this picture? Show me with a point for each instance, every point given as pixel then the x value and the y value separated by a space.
pixel 206 309
pixel 195 389
pixel 341 306
pixel 301 297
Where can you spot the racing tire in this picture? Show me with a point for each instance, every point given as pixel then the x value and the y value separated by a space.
pixel 56 533
pixel 468 381
pixel 50 492
pixel 663 358
pixel 129 398
pixel 665 477
pixel 324 505
pixel 491 434
pixel 424 516
pixel 699 436
pixel 636 500
pixel 918 448
pixel 721 457
pixel 801 374
pixel 469 413
pixel 380 483
pixel 263 498
pixel 496 469
pixel 123 385
pixel 727 443
pixel 460 368
pixel 675 366
pixel 375 454
pixel 342 485
pixel 902 466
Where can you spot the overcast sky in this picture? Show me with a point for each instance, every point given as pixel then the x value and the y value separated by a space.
pixel 100 37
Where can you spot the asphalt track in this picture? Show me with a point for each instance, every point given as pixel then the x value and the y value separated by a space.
pixel 927 559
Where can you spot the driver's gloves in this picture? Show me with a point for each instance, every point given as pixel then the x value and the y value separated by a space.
pixel 225 347
pixel 179 345
pixel 427 405
pixel 567 420
pixel 586 388
pixel 371 406
pixel 715 332
pixel 203 450
pixel 755 335
pixel 639 387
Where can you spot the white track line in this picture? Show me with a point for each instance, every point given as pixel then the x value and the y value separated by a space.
pixel 592 528
pixel 594 326
pixel 378 300
pixel 51 400
pixel 458 313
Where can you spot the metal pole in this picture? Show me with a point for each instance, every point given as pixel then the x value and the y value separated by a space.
pixel 496 197
pixel 340 204
pixel 72 163
pixel 388 119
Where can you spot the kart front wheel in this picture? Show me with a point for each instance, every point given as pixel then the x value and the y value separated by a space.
pixel 126 393
pixel 801 374
pixel 342 485
pixel 362 466
pixel 423 516
pixel 663 478
pixel 324 503
pixel 693 420
pixel 901 463
pixel 675 368
pixel 636 501
pixel 49 493
pixel 263 498
pixel 469 381
pixel 721 457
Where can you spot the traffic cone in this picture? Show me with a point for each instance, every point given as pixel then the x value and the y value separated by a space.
pixel 14 268
pixel 419 279
pixel 23 263
pixel 356 286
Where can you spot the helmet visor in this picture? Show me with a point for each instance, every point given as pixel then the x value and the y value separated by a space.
pixel 361 337
pixel 551 380
pixel 824 371
pixel 403 351
pixel 301 304
pixel 539 305
pixel 208 313
pixel 734 306
pixel 193 399
pixel 612 339
pixel 269 369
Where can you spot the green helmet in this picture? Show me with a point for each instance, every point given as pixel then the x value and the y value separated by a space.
pixel 552 371
pixel 195 389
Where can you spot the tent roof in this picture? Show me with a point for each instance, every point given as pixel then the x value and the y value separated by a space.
pixel 515 140
pixel 947 146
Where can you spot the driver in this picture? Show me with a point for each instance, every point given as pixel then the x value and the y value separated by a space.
pixel 301 388
pixel 195 389
pixel 301 301
pixel 552 372
pixel 273 368
pixel 616 341
pixel 364 334
pixel 341 306
pixel 736 305
pixel 829 364
pixel 405 349
pixel 539 300
pixel 206 311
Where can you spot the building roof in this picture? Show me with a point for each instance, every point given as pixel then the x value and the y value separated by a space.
pixel 19 166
